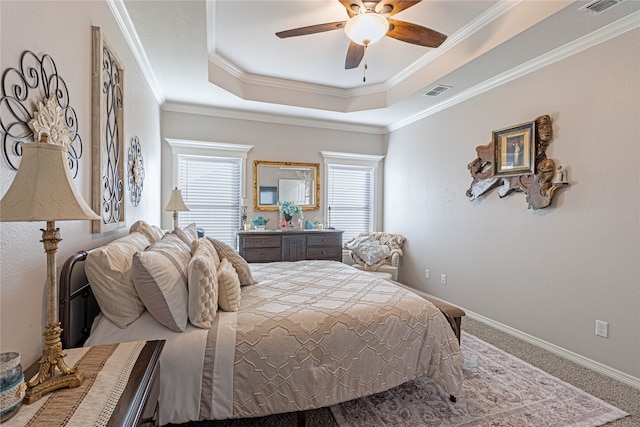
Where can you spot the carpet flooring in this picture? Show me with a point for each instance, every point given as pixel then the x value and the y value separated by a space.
pixel 615 393
pixel 498 390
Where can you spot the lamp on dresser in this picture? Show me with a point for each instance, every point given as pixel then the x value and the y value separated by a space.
pixel 43 190
pixel 176 204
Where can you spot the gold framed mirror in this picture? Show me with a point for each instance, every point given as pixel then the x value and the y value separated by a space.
pixel 285 181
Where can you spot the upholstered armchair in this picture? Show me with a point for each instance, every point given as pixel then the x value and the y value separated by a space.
pixel 377 252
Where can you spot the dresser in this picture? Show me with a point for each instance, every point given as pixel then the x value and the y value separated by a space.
pixel 290 245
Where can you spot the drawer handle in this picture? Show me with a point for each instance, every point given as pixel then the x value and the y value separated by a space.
pixel 323 253
pixel 262 242
pixel 261 255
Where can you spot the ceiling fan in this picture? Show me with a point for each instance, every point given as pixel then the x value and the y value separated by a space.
pixel 368 22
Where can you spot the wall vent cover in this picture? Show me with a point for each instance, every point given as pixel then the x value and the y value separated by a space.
pixel 437 90
pixel 598 6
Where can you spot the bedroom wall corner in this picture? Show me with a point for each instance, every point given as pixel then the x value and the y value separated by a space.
pixel 548 273
pixel 271 141
pixel 62 29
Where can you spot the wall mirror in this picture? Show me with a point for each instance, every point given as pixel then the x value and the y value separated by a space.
pixel 290 181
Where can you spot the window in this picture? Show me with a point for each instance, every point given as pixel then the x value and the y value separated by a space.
pixel 211 190
pixel 211 177
pixel 351 192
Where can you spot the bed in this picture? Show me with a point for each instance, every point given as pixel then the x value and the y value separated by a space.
pixel 308 334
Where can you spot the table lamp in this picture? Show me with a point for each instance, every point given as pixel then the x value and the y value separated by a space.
pixel 176 204
pixel 43 190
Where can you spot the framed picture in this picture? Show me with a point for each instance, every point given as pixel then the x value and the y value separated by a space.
pixel 514 150
pixel 107 112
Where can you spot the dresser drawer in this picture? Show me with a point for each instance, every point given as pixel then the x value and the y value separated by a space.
pixel 262 242
pixel 327 253
pixel 262 254
pixel 325 240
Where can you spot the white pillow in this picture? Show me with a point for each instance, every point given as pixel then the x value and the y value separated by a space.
pixel 160 277
pixel 228 287
pixel 187 234
pixel 203 287
pixel 371 251
pixel 153 232
pixel 108 269
pixel 209 245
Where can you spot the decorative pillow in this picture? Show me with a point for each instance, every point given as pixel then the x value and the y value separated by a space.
pixel 239 263
pixel 371 251
pixel 209 245
pixel 354 243
pixel 108 269
pixel 153 232
pixel 203 287
pixel 187 234
pixel 160 277
pixel 228 287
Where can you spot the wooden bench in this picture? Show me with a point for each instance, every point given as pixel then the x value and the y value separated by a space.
pixel 455 312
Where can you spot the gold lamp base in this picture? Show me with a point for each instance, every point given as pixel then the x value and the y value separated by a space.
pixel 52 358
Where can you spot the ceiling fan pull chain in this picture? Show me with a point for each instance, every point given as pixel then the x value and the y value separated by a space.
pixel 364 71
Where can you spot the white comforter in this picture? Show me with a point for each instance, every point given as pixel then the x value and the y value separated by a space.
pixel 309 334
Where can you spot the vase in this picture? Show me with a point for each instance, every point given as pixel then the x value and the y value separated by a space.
pixel 287 217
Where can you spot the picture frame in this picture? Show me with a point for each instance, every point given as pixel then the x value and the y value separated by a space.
pixel 107 136
pixel 514 150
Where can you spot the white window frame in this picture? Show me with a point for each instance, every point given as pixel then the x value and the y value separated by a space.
pixel 354 159
pixel 209 149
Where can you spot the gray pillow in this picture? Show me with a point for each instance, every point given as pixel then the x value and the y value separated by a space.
pixel 370 251
pixel 239 263
pixel 160 277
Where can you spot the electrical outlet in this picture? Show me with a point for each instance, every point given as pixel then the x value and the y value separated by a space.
pixel 602 329
pixel 427 273
pixel 443 279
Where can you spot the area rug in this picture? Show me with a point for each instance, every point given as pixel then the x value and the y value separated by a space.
pixel 499 390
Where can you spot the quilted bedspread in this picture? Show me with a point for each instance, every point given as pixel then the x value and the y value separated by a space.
pixel 309 334
pixel 315 333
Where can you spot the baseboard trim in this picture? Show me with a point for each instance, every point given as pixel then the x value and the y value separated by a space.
pixel 562 352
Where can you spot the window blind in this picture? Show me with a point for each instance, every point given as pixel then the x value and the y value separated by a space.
pixel 211 190
pixel 350 197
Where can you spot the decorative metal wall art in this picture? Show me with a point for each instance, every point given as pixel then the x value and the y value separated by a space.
pixel 107 135
pixel 135 171
pixel 36 82
pixel 503 163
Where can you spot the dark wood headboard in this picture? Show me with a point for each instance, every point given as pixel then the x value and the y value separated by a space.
pixel 77 304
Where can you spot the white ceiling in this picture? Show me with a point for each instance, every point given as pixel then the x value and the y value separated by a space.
pixel 224 57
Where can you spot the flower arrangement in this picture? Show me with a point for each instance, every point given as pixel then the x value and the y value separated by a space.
pixel 289 208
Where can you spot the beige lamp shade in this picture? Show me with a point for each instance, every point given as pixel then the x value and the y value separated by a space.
pixel 43 189
pixel 175 201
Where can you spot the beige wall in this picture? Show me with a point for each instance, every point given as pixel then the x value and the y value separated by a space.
pixel 548 273
pixel 63 30
pixel 271 141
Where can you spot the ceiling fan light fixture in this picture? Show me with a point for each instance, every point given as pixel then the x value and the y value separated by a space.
pixel 366 28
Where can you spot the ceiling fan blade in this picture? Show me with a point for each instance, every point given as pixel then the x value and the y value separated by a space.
pixel 415 34
pixel 389 8
pixel 311 29
pixel 354 56
pixel 353 6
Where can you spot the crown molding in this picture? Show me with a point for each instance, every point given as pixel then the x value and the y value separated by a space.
pixel 604 34
pixel 130 35
pixel 270 118
pixel 474 26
